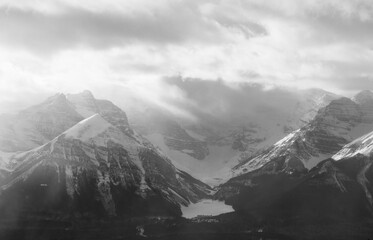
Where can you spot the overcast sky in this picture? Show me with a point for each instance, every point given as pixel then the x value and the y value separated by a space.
pixel 106 46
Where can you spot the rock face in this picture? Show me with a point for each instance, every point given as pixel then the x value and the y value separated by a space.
pixel 96 168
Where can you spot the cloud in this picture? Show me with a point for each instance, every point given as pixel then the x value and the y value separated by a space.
pixel 78 27
pixel 74 26
pixel 52 46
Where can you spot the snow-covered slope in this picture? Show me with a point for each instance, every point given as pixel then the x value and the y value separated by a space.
pixel 104 165
pixel 362 145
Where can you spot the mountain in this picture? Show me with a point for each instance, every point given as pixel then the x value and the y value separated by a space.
pixel 96 168
pixel 332 199
pixel 334 126
pixel 80 149
pixel 39 124
pixel 301 169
